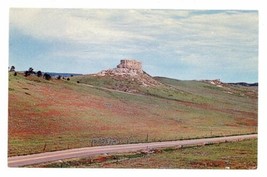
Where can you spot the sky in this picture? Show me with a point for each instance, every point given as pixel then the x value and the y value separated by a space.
pixel 180 44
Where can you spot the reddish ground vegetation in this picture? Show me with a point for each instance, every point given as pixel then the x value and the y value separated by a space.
pixel 58 114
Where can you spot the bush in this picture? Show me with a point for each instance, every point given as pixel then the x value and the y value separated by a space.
pixel 29 72
pixel 12 69
pixel 26 73
pixel 39 74
pixel 47 76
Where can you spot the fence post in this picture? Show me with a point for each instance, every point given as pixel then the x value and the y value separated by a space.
pixel 44 147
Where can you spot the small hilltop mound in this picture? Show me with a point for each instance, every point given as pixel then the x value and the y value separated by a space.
pixel 131 71
pixel 216 82
pixel 128 76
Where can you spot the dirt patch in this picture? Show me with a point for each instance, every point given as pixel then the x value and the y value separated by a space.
pixel 222 164
pixel 100 159
pixel 247 122
pixel 209 164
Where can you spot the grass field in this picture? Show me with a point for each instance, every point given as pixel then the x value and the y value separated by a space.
pixel 60 114
pixel 232 155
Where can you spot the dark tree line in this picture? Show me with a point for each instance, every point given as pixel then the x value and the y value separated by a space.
pixel 31 71
pixel 39 73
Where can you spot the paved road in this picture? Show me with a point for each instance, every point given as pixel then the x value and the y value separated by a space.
pixel 18 161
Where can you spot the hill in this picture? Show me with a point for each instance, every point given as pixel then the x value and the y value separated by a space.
pixel 101 110
pixel 246 84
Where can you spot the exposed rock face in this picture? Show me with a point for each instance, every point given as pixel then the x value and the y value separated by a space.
pixel 130 69
pixel 217 82
pixel 126 67
pixel 119 72
pixel 131 64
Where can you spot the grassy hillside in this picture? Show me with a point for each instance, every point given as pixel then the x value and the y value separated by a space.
pixel 60 114
pixel 230 97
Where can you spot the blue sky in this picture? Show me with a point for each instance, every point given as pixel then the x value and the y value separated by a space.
pixel 180 44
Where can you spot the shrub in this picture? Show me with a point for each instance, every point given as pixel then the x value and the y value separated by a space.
pixel 12 69
pixel 39 73
pixel 47 76
pixel 29 72
pixel 26 73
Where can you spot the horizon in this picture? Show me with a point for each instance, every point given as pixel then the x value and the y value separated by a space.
pixel 51 72
pixel 178 44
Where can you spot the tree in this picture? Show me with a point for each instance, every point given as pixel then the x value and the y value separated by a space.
pixel 26 73
pixel 47 76
pixel 59 77
pixel 68 79
pixel 39 73
pixel 29 72
pixel 12 69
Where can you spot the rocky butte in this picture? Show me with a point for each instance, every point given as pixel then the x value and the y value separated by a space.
pixel 131 64
pixel 130 69
pixel 126 67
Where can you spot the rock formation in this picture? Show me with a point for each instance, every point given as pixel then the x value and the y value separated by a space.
pixel 130 69
pixel 126 67
pixel 131 64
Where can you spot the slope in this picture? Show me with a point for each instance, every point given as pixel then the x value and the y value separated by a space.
pixel 59 114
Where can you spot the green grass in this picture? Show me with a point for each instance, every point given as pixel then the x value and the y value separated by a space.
pixel 110 82
pixel 233 155
pixel 60 114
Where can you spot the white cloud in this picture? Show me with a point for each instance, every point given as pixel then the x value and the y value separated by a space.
pixel 103 26
pixel 196 38
pixel 62 24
